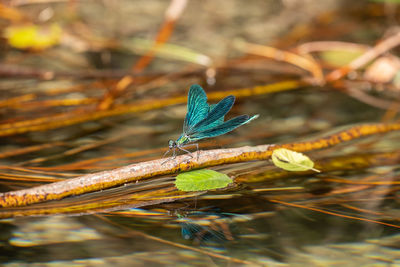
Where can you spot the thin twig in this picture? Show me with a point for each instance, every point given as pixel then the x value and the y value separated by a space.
pixel 333 213
pixel 300 61
pixel 173 12
pixel 15 71
pixel 365 58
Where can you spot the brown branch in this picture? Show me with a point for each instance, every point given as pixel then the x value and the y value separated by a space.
pixel 11 14
pixel 78 116
pixel 29 149
pixel 335 163
pixel 143 170
pixel 365 58
pixel 172 14
pixel 15 71
pixel 300 61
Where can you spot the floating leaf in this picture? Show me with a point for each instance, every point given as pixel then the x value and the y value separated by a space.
pixel 200 180
pixel 292 161
pixel 33 36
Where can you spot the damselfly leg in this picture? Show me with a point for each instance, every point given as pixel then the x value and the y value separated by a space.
pixel 174 146
pixel 190 154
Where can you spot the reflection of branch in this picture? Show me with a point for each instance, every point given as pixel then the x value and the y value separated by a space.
pixel 332 213
pixel 351 89
pixel 103 180
pixel 365 58
pixel 326 165
pixel 373 101
pixel 134 233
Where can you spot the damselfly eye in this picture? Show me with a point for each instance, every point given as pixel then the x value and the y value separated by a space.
pixel 171 143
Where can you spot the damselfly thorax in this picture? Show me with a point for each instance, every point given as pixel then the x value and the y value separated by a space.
pixel 180 144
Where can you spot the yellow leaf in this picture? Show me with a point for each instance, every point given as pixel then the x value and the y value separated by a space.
pixel 292 161
pixel 33 36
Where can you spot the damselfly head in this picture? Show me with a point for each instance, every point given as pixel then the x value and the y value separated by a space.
pixel 172 144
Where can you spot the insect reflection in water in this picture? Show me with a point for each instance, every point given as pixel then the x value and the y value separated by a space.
pixel 206 228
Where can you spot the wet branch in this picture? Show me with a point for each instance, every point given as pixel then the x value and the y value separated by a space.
pixel 144 170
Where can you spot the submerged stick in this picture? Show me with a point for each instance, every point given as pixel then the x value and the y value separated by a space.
pixel 131 173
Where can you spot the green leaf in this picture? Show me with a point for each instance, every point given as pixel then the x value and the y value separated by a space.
pixel 338 58
pixel 292 161
pixel 168 51
pixel 200 180
pixel 387 1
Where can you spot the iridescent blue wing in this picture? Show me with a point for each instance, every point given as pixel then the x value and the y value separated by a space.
pixel 189 230
pixel 197 107
pixel 222 128
pixel 217 122
pixel 202 233
pixel 216 113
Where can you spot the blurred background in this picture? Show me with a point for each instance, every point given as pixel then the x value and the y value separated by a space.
pixel 89 86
